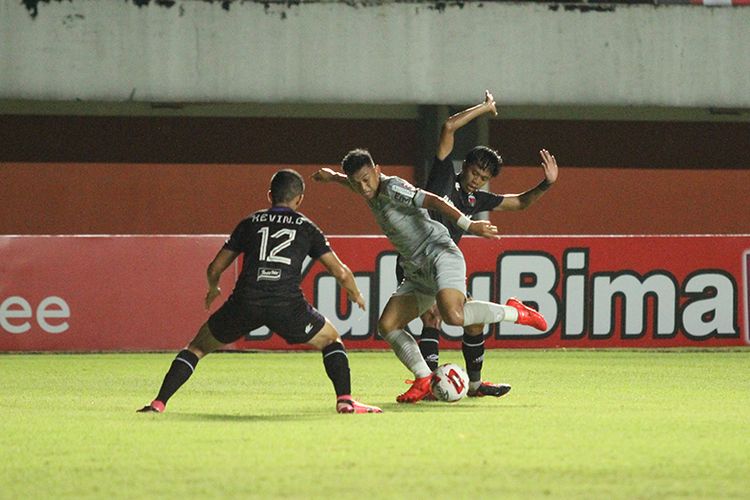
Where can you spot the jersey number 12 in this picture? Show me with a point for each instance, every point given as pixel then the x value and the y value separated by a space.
pixel 272 255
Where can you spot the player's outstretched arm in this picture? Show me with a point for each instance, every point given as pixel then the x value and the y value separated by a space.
pixel 458 120
pixel 476 227
pixel 215 269
pixel 527 198
pixel 329 175
pixel 343 276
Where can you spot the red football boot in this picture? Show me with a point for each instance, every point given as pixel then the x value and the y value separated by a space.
pixel 156 406
pixel 418 390
pixel 527 316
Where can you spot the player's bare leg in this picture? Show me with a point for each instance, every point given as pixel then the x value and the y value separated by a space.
pixel 398 312
pixel 336 363
pixel 451 303
pixel 182 368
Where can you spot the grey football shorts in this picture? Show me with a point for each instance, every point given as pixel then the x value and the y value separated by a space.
pixel 445 270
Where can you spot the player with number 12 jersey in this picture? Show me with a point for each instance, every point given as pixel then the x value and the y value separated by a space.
pixel 275 243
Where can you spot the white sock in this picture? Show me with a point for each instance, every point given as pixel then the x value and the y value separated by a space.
pixel 407 351
pixel 478 312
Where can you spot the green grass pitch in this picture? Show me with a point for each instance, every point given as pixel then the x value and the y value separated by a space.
pixel 577 424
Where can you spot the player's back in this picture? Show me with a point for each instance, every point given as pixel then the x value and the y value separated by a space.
pixel 274 243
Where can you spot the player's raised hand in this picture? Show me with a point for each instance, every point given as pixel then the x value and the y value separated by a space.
pixel 483 228
pixel 211 296
pixel 549 164
pixel 324 175
pixel 490 102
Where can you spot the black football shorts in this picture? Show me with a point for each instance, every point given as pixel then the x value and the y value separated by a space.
pixel 296 322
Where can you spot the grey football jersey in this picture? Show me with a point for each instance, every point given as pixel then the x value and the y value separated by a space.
pixel 399 213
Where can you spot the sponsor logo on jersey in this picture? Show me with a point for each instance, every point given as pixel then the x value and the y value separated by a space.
pixel 402 193
pixel 472 200
pixel 268 274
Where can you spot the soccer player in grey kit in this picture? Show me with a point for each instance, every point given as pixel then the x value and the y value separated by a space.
pixel 434 267
pixel 462 190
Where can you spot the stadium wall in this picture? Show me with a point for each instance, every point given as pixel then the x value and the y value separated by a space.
pixel 375 52
pixel 92 198
pixel 62 174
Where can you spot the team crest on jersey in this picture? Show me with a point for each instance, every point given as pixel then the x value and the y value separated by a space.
pixel 268 274
pixel 471 199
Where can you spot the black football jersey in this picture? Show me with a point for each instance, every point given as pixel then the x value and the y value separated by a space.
pixel 275 243
pixel 443 181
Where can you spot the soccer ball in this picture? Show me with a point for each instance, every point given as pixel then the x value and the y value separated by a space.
pixel 449 383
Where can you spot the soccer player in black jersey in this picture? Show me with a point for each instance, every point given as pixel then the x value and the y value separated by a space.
pixel 275 242
pixel 462 190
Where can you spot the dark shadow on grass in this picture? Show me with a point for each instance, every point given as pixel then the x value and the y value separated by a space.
pixel 249 417
pixel 419 408
pixel 462 406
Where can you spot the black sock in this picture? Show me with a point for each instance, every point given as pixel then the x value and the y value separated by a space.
pixel 473 349
pixel 336 363
pixel 182 367
pixel 429 343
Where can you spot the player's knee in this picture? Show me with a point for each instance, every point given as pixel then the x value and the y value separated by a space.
pixel 474 330
pixel 325 337
pixel 330 335
pixel 204 342
pixel 431 320
pixel 386 326
pixel 454 317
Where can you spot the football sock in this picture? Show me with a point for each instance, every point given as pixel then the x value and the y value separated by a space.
pixel 473 349
pixel 429 346
pixel 182 368
pixel 336 363
pixel 407 350
pixel 478 312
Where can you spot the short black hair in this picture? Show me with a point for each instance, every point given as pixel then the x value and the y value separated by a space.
pixel 286 184
pixel 356 159
pixel 485 158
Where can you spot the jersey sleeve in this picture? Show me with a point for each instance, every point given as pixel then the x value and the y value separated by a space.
pixel 402 192
pixel 442 177
pixel 318 242
pixel 237 240
pixel 487 201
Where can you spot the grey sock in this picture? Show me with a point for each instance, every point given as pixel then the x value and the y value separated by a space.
pixel 407 350
pixel 477 312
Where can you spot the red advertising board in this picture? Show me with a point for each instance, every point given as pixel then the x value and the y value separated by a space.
pixel 103 293
pixel 68 293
